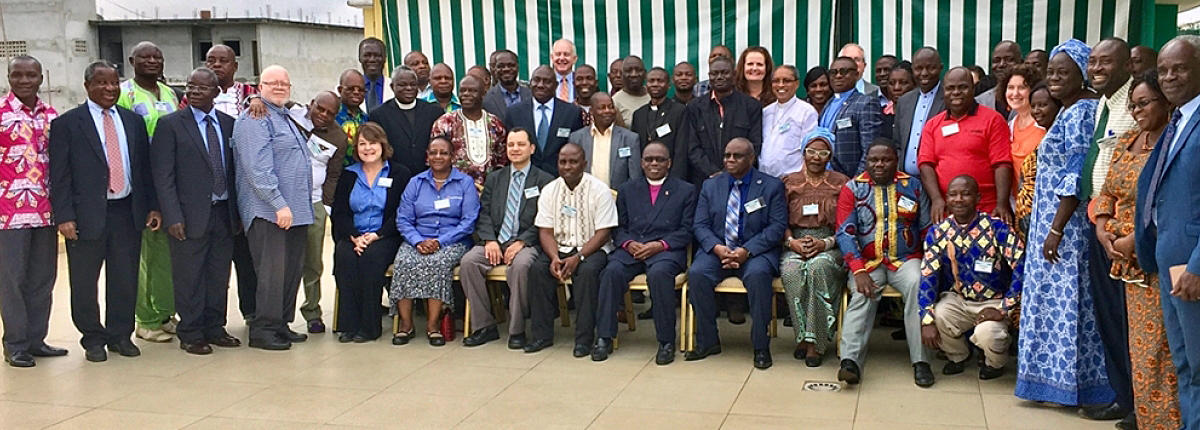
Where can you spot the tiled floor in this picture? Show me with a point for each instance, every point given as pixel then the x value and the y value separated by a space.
pixel 327 385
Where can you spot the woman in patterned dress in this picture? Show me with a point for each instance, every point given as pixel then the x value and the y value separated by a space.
pixel 1061 359
pixel 1044 109
pixel 1156 400
pixel 811 268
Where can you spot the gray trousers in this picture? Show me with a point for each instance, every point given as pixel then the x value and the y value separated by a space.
pixel 28 266
pixel 314 265
pixel 278 257
pixel 860 314
pixel 473 275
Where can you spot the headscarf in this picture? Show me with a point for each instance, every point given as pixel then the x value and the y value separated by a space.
pixel 1078 51
pixel 821 133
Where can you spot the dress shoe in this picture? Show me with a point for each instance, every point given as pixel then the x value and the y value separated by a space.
pixel 787 321
pixel 293 337
pixel 482 336
pixel 516 341
pixel 666 354
pixel 47 351
pixel 899 335
pixel 316 326
pixel 647 314
pixel 170 325
pixel 602 349
pixel 272 343
pixel 922 374
pixel 20 358
pixel 345 337
pixel 988 372
pixel 402 338
pixel 638 297
pixel 360 338
pixel 762 359
pixel 849 372
pixel 954 368
pixel 225 341
pixel 537 345
pixel 814 361
pixel 702 353
pixel 125 348
pixel 156 335
pixel 1128 423
pixel 95 354
pixel 1111 411
pixel 198 348
pixel 800 352
pixel 581 350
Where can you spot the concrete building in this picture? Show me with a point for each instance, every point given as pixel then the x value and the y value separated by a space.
pixel 59 34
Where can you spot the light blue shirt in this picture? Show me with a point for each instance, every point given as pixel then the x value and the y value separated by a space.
pixel 367 200
pixel 1186 111
pixel 537 113
pixel 570 85
pixel 447 215
pixel 122 140
pixel 829 117
pixel 920 115
pixel 200 116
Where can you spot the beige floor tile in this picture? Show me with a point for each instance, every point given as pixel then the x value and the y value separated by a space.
pixel 731 366
pixel 296 403
pixel 125 420
pixel 356 373
pixel 186 397
pixel 1003 385
pixel 537 413
pixel 1007 411
pixel 255 366
pixel 626 362
pixel 20 416
pixel 621 418
pixel 454 380
pixel 920 407
pixel 694 395
pixel 759 422
pixel 596 386
pixel 219 423
pixel 895 373
pixel 769 394
pixel 410 411
pixel 876 425
pixel 90 387
pixel 495 354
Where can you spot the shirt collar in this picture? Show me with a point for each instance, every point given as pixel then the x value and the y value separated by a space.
pixel 932 92
pixel 524 170
pixel 455 175
pixel 1188 109
pixel 658 182
pixel 970 112
pixel 406 106
pixel 199 115
pixel 15 103
pixel 865 177
pixel 844 94
pixel 549 104
pixel 95 108
pixel 1119 101
pixel 377 81
pixel 605 133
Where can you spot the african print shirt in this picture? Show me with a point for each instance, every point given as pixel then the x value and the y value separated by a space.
pixel 453 106
pixel 881 225
pixel 24 165
pixel 349 123
pixel 983 259
pixel 479 146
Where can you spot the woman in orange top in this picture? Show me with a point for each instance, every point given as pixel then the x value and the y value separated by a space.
pixel 1025 131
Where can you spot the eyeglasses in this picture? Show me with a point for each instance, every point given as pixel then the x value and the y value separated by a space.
pixel 734 155
pixel 1142 104
pixel 845 71
pixel 201 88
pixel 783 80
pixel 278 84
pixel 659 160
pixel 817 152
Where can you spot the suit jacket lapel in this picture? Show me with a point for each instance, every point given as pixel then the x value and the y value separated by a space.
pixel 194 130
pixel 89 130
pixel 1187 131
pixel 664 196
pixel 500 195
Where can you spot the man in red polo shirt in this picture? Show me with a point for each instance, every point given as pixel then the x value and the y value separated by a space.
pixel 967 139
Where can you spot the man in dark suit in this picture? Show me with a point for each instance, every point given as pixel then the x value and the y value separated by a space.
pixel 741 218
pixel 193 170
pixel 508 90
pixel 652 237
pixel 613 151
pixel 854 118
pixel 103 196
pixel 506 236
pixel 551 119
pixel 407 120
pixel 916 107
pixel 715 119
pixel 661 120
pixel 1168 218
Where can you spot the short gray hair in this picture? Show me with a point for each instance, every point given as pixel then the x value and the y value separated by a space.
pixel 91 69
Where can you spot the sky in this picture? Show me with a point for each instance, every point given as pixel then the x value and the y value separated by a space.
pixel 313 10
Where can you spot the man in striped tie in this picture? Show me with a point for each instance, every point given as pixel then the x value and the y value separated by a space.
pixel 506 237
pixel 562 57
pixel 741 218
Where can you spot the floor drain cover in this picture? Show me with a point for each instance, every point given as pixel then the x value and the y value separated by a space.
pixel 822 386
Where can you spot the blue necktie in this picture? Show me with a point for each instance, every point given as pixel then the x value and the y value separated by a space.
pixel 543 130
pixel 509 228
pixel 733 213
pixel 1168 137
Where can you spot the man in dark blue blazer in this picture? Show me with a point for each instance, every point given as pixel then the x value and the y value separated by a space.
pixel 563 118
pixel 854 118
pixel 1168 218
pixel 741 218
pixel 655 230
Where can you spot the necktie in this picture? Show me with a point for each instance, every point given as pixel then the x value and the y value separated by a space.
pixel 1163 154
pixel 116 163
pixel 564 92
pixel 543 129
pixel 733 213
pixel 509 228
pixel 214 157
pixel 1089 163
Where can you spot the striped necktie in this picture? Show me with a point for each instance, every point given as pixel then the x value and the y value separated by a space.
pixel 1164 153
pixel 733 213
pixel 509 228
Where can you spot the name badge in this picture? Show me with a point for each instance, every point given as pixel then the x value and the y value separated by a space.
pixel 754 205
pixel 569 211
pixel 441 204
pixel 984 265
pixel 785 127
pixel 663 130
pixel 843 123
pixel 162 106
pixel 810 209
pixel 950 130
pixel 907 203
pixel 532 192
pixel 385 182
pixel 624 152
pixel 564 132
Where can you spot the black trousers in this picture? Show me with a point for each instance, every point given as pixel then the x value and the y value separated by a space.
pixel 247 282
pixel 542 297
pixel 117 251
pixel 1108 300
pixel 200 272
pixel 28 266
pixel 614 282
pixel 278 260
pixel 360 280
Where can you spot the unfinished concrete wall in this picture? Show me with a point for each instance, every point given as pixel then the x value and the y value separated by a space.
pixel 314 57
pixel 58 34
pixel 175 41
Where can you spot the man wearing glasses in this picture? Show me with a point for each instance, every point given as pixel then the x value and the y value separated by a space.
pixel 854 118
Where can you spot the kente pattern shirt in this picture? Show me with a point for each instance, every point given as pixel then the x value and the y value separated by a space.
pixel 980 261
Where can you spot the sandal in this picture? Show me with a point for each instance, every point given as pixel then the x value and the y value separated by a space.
pixel 402 338
pixel 436 338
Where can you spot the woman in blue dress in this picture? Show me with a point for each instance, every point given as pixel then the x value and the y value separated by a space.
pixel 1061 357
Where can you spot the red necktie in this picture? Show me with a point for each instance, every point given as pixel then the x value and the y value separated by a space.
pixel 116 163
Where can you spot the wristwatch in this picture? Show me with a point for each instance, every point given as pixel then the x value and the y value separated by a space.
pixel 581 256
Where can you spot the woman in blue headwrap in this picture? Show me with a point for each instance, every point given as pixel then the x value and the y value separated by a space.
pixel 1060 355
pixel 811 269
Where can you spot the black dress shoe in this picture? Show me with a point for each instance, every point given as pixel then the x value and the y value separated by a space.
pixel 225 341
pixel 1128 423
pixel 95 354
pixel 762 359
pixel 273 343
pixel 198 348
pixel 402 338
pixel 581 350
pixel 954 368
pixel 814 361
pixel 700 354
pixel 602 349
pixel 537 345
pixel 20 358
pixel 988 372
pixel 647 314
pixel 47 351
pixel 482 336
pixel 516 341
pixel 361 338
pixel 1111 411
pixel 666 354
pixel 436 339
pixel 737 315
pixel 293 337
pixel 638 297
pixel 316 326
pixel 849 372
pixel 126 348
pixel 800 352
pixel 922 374
pixel 345 337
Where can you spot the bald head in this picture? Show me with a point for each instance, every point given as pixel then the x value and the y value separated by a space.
pixel 1005 56
pixel 562 56
pixel 739 156
pixel 275 85
pixel 353 89
pixel 223 61
pixel 147 61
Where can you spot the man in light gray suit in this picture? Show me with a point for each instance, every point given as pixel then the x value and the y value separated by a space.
pixel 613 152
pixel 915 107
pixel 508 90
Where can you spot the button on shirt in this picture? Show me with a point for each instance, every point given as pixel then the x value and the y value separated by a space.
pixel 576 215
pixel 920 115
pixel 367 199
pixel 447 215
pixel 98 119
pixel 511 97
pixel 273 167
pixel 537 113
pixel 202 123
pixel 24 164
pixel 784 128
pixel 601 153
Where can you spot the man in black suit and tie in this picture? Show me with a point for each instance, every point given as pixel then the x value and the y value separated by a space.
pixel 508 91
pixel 916 107
pixel 552 120
pixel 407 120
pixel 193 170
pixel 103 196
pixel 741 217
pixel 652 237
pixel 661 120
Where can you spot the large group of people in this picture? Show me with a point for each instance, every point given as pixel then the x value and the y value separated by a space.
pixel 1043 210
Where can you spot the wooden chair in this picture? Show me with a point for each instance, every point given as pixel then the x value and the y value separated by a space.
pixel 728 285
pixel 888 292
pixel 639 284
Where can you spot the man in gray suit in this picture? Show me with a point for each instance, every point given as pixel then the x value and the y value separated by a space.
pixel 613 152
pixel 1005 55
pixel 507 91
pixel 915 107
